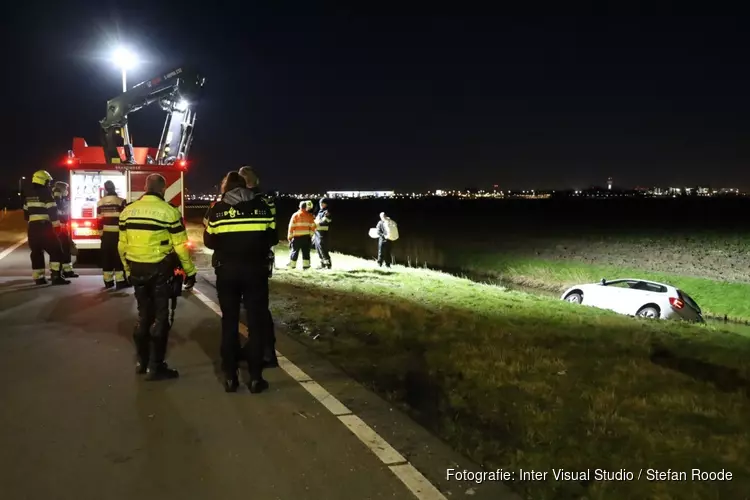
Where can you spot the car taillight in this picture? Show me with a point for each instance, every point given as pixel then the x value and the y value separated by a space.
pixel 676 303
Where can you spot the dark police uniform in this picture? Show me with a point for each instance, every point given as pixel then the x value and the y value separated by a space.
pixel 269 345
pixel 60 194
pixel 108 210
pixel 322 241
pixel 152 238
pixel 40 211
pixel 240 230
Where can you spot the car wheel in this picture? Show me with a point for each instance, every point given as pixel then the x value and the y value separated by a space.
pixel 650 312
pixel 574 297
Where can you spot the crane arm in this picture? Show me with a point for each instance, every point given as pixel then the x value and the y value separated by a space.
pixel 176 92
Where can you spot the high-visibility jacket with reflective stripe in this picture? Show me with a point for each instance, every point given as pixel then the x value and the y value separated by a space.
pixel 40 207
pixel 240 229
pixel 323 220
pixel 108 210
pixel 302 223
pixel 150 229
pixel 63 206
pixel 270 200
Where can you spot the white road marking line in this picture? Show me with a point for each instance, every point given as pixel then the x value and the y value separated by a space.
pixel 420 487
pixel 324 397
pixel 10 249
pixel 416 482
pixel 385 452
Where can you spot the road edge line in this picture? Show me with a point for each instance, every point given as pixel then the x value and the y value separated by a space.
pixel 11 248
pixel 409 476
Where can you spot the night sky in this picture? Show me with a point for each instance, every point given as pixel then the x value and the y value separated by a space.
pixel 343 100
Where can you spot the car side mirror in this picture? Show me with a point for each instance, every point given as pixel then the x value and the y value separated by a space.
pixel 603 281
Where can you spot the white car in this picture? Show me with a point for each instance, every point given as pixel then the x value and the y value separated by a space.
pixel 635 297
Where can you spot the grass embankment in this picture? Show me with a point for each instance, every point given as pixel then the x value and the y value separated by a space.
pixel 713 268
pixel 12 227
pixel 519 381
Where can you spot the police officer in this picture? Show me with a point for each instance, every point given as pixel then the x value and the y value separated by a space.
pixel 299 234
pixel 60 194
pixel 269 350
pixel 322 224
pixel 108 210
pixel 152 240
pixel 40 211
pixel 240 232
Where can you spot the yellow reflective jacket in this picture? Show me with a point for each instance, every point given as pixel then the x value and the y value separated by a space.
pixel 150 229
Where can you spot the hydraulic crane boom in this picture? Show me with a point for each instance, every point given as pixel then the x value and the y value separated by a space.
pixel 177 92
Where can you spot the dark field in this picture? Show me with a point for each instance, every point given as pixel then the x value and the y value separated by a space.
pixel 515 380
pixel 698 244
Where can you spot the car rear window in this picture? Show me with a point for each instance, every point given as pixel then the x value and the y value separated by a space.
pixel 649 287
pixel 687 298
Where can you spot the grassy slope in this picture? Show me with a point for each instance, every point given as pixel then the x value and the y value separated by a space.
pixel 716 298
pixel 517 381
pixel 12 227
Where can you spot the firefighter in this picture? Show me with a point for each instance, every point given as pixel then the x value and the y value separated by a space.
pixel 322 241
pixel 40 211
pixel 152 240
pixel 240 231
pixel 299 234
pixel 60 194
pixel 108 210
pixel 269 350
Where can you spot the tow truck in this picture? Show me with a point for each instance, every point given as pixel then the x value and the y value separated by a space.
pixel 177 92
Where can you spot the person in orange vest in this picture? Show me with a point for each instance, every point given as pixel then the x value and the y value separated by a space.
pixel 301 229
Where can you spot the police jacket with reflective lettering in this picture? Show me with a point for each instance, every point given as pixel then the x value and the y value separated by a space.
pixel 240 228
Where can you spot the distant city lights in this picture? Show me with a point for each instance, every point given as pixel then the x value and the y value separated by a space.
pixel 593 192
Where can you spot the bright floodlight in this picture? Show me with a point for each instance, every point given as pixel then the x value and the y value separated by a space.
pixel 182 106
pixel 124 58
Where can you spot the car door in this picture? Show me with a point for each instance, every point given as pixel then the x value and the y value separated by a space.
pixel 607 296
pixel 632 297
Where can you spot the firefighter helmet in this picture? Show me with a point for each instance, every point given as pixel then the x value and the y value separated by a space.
pixel 305 204
pixel 41 177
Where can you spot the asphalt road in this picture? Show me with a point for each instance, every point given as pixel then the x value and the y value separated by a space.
pixel 77 422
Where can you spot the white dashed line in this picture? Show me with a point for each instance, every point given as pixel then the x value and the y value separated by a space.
pixel 420 487
pixel 10 249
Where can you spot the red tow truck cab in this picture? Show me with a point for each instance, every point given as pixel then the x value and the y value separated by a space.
pixel 89 171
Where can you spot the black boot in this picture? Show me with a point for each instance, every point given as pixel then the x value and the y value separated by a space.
pixel 257 386
pixel 109 284
pixel 157 368
pixel 57 279
pixel 161 372
pixel 70 274
pixel 41 281
pixel 142 352
pixel 231 382
pixel 121 285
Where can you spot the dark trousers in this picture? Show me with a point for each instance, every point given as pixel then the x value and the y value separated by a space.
pixel 42 238
pixel 301 244
pixel 321 246
pixel 269 341
pixel 153 290
pixel 65 244
pixel 384 252
pixel 112 268
pixel 237 286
